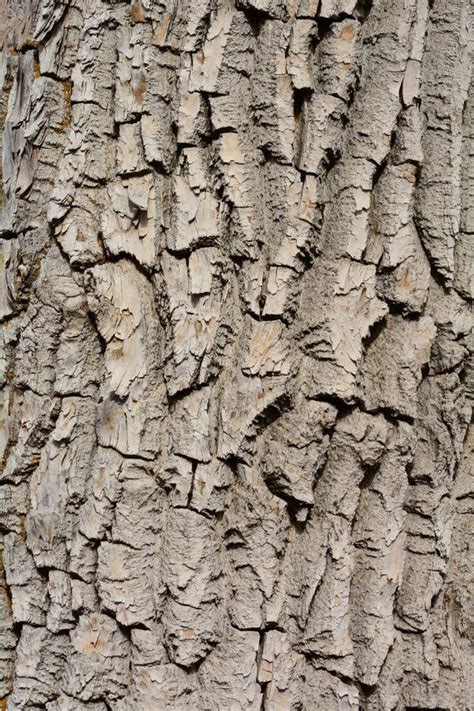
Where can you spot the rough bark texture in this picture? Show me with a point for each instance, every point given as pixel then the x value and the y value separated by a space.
pixel 236 362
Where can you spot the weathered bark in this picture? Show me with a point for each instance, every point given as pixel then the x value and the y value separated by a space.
pixel 236 362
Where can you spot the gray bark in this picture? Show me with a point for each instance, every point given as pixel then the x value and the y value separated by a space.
pixel 236 355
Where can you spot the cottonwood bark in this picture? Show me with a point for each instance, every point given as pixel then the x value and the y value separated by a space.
pixel 237 264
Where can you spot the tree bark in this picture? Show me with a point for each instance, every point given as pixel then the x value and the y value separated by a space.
pixel 236 355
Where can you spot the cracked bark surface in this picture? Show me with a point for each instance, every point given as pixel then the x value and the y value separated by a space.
pixel 236 355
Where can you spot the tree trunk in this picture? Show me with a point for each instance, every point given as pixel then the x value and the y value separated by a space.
pixel 236 268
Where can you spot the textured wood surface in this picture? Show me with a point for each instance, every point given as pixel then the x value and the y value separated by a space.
pixel 236 272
